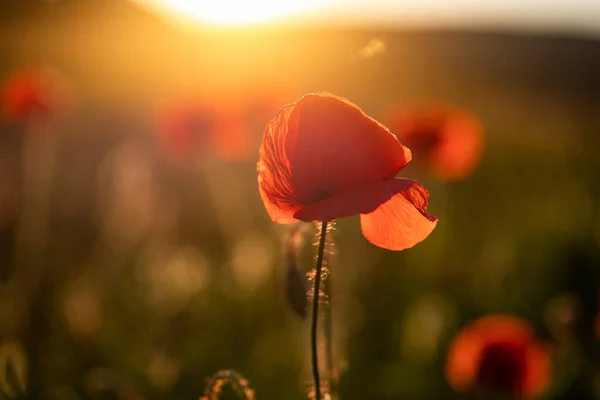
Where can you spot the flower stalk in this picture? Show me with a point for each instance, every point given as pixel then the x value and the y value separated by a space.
pixel 315 311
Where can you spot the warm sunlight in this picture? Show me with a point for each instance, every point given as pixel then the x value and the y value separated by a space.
pixel 233 12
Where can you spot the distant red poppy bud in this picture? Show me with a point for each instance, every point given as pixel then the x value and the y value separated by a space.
pixel 323 158
pixel 296 287
pixel 34 92
pixel 449 140
pixel 499 354
pixel 223 126
pixel 183 127
pixel 296 284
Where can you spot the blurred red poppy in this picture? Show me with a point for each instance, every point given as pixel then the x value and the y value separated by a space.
pixel 225 126
pixel 499 354
pixel 449 140
pixel 323 158
pixel 183 127
pixel 36 91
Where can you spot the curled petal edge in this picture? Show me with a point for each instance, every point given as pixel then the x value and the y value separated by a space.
pixel 401 222
pixel 393 212
pixel 279 212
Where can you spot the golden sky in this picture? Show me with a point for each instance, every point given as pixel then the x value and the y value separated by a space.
pixel 581 16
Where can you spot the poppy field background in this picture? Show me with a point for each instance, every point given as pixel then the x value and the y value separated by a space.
pixel 155 264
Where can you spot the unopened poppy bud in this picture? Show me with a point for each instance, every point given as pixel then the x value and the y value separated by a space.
pixel 295 290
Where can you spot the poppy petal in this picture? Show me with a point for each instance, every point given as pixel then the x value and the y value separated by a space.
pixel 401 222
pixel 358 200
pixel 278 211
pixel 460 147
pixel 466 351
pixel 538 371
pixel 463 360
pixel 402 201
pixel 448 138
pixel 274 174
pixel 333 145
pixel 473 347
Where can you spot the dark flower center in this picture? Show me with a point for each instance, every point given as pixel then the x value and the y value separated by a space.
pixel 423 142
pixel 503 368
pixel 321 194
pixel 199 124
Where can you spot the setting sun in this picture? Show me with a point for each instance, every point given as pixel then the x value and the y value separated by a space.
pixel 232 12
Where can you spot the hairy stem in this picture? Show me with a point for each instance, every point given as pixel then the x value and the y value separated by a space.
pixel 327 291
pixel 315 311
pixel 329 332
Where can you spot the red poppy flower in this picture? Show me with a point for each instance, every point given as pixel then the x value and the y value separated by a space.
pixel 499 354
pixel 445 137
pixel 323 158
pixel 223 126
pixel 38 91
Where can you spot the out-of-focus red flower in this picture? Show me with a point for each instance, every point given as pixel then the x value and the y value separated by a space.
pixel 35 91
pixel 499 354
pixel 448 139
pixel 225 126
pixel 183 127
pixel 323 158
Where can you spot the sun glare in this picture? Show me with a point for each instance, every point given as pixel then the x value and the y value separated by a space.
pixel 233 12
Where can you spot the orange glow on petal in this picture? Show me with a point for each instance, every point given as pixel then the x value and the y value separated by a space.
pixel 274 174
pixel 401 222
pixel 279 212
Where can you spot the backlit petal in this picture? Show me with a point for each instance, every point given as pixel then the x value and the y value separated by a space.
pixel 401 222
pixel 274 174
pixel 332 146
pixel 279 212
